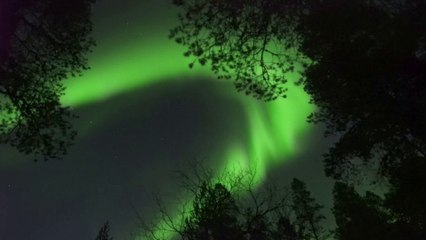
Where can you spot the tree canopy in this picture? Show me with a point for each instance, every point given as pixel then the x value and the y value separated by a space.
pixel 372 217
pixel 219 213
pixel 104 232
pixel 307 211
pixel 362 62
pixel 251 42
pixel 42 42
pixel 370 81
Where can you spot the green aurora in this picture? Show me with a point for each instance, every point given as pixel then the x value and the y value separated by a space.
pixel 274 127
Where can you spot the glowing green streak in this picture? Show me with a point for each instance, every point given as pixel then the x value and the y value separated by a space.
pixel 274 128
pixel 126 68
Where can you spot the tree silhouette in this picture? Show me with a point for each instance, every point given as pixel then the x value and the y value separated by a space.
pixel 214 215
pixel 370 81
pixel 307 211
pixel 249 41
pixel 358 217
pixel 42 42
pixel 218 215
pixel 366 74
pixel 285 230
pixel 104 232
pixel 407 196
pixel 267 214
pixel 372 217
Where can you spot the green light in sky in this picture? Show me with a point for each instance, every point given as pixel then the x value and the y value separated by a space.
pixel 118 66
pixel 274 128
pixel 274 131
pixel 125 68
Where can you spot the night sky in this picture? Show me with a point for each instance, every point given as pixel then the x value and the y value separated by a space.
pixel 142 114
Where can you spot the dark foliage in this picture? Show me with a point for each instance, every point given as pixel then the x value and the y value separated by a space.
pixel 366 74
pixel 104 232
pixel 407 196
pixel 42 43
pixel 371 217
pixel 219 214
pixel 307 211
pixel 358 217
pixel 370 80
pixel 245 41
pixel 214 215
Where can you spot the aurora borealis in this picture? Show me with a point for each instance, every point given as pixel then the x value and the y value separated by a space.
pixel 135 57
pixel 270 136
pixel 273 126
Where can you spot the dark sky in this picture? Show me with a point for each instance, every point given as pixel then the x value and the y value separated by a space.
pixel 130 144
